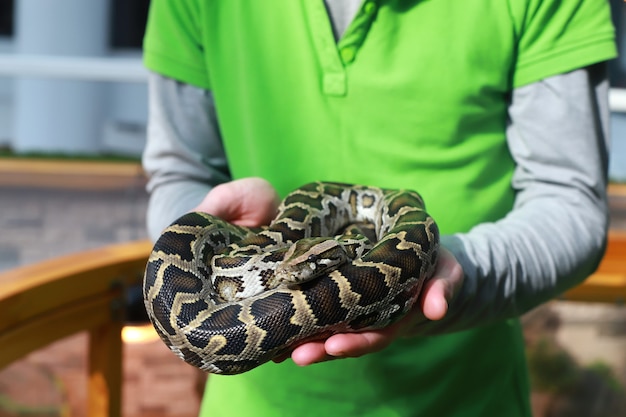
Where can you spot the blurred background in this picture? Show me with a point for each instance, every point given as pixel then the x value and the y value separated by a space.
pixel 72 126
pixel 73 80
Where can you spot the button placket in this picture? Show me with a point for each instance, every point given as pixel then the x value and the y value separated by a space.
pixel 334 56
pixel 369 7
pixel 355 34
pixel 348 53
pixel 333 71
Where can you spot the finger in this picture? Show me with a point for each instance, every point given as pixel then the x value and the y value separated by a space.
pixel 310 353
pixel 247 202
pixel 352 345
pixel 439 291
pixel 219 202
pixel 434 302
pixel 260 201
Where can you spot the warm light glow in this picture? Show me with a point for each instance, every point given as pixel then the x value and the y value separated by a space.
pixel 139 334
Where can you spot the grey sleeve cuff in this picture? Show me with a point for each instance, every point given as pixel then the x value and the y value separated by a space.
pixel 556 233
pixel 184 157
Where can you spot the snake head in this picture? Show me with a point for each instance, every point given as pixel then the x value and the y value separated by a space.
pixel 309 258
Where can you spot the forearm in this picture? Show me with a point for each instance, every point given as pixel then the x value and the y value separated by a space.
pixel 532 259
pixel 555 235
pixel 170 201
pixel 184 157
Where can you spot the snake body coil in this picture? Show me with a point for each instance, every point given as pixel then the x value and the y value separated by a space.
pixel 204 281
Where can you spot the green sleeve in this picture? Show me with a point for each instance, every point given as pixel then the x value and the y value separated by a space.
pixel 557 36
pixel 173 42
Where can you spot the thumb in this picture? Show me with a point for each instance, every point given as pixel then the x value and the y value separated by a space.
pixel 442 287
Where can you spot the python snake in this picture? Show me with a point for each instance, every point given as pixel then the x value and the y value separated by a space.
pixel 211 288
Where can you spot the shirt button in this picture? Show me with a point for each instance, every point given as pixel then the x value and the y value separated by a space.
pixel 348 53
pixel 369 7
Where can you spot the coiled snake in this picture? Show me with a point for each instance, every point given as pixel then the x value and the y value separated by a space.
pixel 227 299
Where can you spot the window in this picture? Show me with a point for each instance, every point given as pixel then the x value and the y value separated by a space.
pixel 128 22
pixel 6 17
pixel 617 67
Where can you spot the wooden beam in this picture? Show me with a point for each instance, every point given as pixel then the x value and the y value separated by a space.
pixel 608 283
pixel 105 370
pixel 68 174
pixel 53 284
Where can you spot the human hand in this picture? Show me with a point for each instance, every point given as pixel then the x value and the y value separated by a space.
pixel 249 202
pixel 432 305
pixel 253 202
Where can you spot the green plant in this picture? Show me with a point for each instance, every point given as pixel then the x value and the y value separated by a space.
pixel 550 367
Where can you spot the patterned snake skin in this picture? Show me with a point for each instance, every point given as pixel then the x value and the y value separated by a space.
pixel 227 299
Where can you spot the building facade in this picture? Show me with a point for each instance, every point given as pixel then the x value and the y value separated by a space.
pixel 71 79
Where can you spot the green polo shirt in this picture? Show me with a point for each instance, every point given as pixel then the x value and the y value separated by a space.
pixel 414 95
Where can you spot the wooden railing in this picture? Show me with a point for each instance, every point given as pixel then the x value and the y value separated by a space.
pixel 47 301
pixel 608 283
pixel 85 291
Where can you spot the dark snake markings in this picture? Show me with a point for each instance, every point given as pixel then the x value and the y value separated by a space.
pixel 206 283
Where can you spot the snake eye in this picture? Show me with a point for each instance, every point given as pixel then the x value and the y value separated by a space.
pixel 313 258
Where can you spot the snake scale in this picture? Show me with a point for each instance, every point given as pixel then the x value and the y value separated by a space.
pixel 226 298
